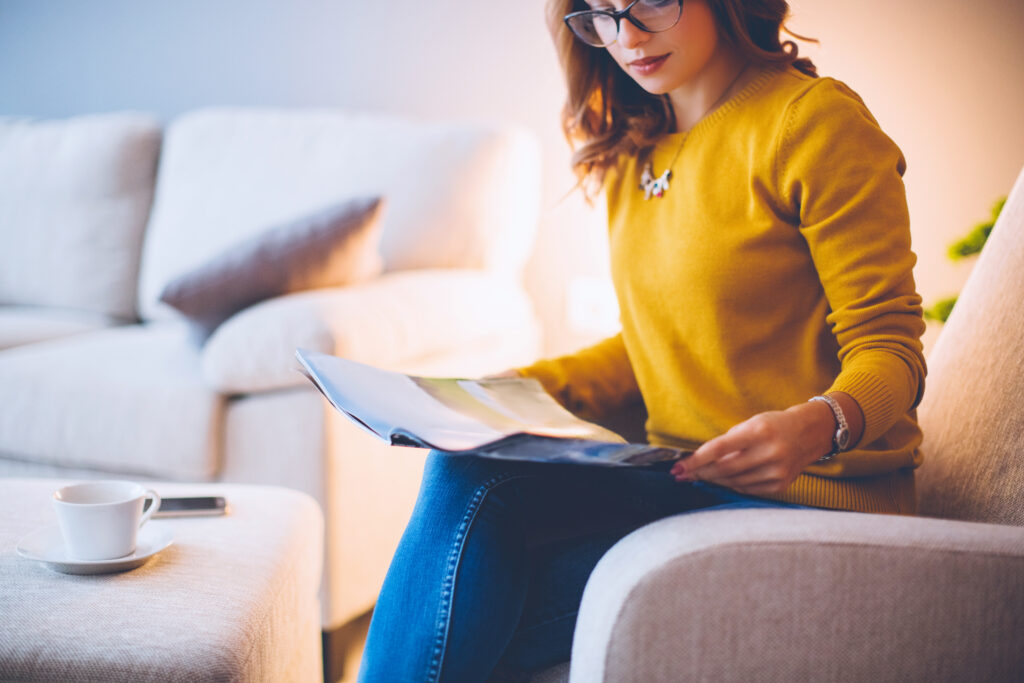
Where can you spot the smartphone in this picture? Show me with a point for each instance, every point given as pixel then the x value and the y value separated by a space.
pixel 194 506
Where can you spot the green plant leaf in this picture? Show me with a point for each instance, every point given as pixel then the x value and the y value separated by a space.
pixel 972 243
pixel 998 208
pixel 940 310
pixel 974 240
pixel 966 246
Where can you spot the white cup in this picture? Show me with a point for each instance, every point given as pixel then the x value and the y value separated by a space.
pixel 100 520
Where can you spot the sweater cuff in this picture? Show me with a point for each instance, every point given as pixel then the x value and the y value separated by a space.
pixel 550 374
pixel 875 400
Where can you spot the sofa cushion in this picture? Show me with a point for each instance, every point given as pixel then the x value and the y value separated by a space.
pixel 74 197
pixel 458 195
pixel 971 414
pixel 129 399
pixel 329 248
pixel 31 324
pixel 392 320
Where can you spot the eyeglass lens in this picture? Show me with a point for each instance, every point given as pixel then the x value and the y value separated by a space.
pixel 600 28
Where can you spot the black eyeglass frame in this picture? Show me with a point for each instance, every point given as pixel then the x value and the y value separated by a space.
pixel 618 16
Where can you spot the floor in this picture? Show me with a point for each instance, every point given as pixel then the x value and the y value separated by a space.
pixel 355 651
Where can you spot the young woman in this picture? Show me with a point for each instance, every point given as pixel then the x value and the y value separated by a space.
pixel 761 257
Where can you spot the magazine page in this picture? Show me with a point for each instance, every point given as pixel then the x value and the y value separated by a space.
pixel 580 451
pixel 441 413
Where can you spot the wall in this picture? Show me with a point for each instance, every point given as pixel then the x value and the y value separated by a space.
pixel 943 78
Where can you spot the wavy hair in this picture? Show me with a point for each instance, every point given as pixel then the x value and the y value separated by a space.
pixel 607 114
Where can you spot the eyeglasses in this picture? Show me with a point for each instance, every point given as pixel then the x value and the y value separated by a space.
pixel 600 28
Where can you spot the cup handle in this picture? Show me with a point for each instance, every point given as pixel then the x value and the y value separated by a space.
pixel 150 493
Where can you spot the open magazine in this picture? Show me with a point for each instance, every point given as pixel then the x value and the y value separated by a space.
pixel 513 419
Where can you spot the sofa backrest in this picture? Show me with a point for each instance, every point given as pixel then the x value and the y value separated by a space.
pixel 458 195
pixel 74 198
pixel 972 414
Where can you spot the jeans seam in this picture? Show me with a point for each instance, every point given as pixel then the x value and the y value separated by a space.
pixel 443 622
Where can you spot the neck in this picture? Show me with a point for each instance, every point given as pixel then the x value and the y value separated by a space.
pixel 716 83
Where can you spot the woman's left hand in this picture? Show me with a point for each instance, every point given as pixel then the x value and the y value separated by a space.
pixel 763 455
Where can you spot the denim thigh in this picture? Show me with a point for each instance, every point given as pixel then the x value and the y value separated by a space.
pixel 495 557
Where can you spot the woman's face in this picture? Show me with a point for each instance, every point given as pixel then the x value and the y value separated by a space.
pixel 662 62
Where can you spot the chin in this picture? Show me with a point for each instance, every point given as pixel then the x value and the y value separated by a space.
pixel 655 86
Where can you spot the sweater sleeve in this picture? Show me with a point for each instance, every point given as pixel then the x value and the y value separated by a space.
pixel 593 382
pixel 842 177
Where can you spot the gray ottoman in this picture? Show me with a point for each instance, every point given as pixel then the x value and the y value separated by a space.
pixel 233 598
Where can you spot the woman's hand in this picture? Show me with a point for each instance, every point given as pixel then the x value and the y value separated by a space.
pixel 763 455
pixel 507 374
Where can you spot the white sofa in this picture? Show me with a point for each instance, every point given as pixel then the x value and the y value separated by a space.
pixel 99 213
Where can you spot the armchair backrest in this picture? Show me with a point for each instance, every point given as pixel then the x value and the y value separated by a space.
pixel 972 414
pixel 458 195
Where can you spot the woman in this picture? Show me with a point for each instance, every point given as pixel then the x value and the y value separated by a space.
pixel 761 257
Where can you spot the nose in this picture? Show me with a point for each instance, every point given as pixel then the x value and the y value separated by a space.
pixel 629 35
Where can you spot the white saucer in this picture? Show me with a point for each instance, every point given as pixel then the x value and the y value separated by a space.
pixel 46 545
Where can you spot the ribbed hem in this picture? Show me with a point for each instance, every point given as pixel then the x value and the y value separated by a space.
pixel 875 401
pixel 893 493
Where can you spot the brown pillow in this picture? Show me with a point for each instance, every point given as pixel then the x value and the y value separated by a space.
pixel 335 246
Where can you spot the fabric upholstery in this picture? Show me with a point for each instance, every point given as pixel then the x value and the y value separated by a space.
pixel 396 318
pixel 363 525
pixel 21 325
pixel 128 399
pixel 804 595
pixel 74 198
pixel 331 247
pixel 558 673
pixel 234 598
pixel 971 415
pixel 345 469
pixel 458 195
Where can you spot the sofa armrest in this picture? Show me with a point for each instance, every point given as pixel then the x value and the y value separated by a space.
pixel 774 594
pixel 384 322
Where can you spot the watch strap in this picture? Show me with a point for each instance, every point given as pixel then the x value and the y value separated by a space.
pixel 841 439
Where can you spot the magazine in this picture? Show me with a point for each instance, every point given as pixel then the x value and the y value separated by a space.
pixel 507 418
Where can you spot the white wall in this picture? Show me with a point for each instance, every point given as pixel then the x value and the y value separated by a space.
pixel 943 77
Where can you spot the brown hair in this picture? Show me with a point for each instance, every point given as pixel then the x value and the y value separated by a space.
pixel 607 114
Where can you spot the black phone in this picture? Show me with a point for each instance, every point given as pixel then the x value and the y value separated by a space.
pixel 191 506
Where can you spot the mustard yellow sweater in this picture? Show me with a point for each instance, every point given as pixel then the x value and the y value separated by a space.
pixel 776 267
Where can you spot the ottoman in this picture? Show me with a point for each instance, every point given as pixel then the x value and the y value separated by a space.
pixel 232 598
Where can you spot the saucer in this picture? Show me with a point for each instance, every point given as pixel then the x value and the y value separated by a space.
pixel 46 545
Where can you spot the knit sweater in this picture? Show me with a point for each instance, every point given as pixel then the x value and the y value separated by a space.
pixel 777 266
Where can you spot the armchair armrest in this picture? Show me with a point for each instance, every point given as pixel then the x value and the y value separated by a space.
pixel 384 322
pixel 773 594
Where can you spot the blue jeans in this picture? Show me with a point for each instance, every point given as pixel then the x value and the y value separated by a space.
pixel 491 568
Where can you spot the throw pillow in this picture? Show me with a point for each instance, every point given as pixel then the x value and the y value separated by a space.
pixel 333 247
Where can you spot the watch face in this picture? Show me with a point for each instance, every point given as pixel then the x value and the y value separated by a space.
pixel 843 439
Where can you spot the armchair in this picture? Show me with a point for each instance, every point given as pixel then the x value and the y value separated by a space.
pixel 797 595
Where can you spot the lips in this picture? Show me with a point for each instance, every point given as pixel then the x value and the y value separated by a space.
pixel 647 65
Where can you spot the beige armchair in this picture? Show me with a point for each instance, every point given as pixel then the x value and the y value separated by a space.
pixel 815 595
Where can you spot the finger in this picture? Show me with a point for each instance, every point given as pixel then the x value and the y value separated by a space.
pixel 732 441
pixel 765 475
pixel 733 464
pixel 506 374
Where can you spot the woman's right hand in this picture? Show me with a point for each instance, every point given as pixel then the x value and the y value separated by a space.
pixel 507 374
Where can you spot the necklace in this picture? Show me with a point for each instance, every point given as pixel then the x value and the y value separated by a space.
pixel 658 186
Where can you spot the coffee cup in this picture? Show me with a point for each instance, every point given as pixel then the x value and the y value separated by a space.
pixel 100 520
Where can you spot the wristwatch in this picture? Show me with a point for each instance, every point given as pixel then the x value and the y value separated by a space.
pixel 841 439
